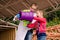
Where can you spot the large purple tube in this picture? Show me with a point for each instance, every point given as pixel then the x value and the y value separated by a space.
pixel 26 16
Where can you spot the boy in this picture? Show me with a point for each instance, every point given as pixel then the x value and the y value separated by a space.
pixel 22 29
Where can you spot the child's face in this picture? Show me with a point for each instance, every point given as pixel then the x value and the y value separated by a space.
pixel 34 7
pixel 39 13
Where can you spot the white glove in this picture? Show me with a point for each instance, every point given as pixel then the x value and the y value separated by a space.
pixel 33 21
pixel 14 19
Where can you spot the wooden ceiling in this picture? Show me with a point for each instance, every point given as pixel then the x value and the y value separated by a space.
pixel 10 8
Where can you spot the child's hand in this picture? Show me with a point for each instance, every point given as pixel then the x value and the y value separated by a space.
pixel 34 32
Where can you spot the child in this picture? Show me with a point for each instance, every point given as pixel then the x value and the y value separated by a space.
pixel 23 32
pixel 41 29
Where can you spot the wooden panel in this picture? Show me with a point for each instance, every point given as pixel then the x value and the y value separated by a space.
pixel 7 35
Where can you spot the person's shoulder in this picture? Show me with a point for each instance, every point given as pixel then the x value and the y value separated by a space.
pixel 26 10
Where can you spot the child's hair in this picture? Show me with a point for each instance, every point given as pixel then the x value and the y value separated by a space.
pixel 34 28
pixel 34 4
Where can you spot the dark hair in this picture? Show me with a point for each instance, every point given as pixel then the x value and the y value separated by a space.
pixel 34 4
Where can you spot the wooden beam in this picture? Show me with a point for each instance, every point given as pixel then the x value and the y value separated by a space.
pixel 8 18
pixel 53 10
pixel 9 11
pixel 28 3
pixel 4 26
pixel 13 9
pixel 1 6
pixel 55 2
pixel 2 15
pixel 10 4
pixel 25 4
pixel 1 30
pixel 8 23
pixel 13 3
pixel 50 3
pixel 18 2
pixel 3 1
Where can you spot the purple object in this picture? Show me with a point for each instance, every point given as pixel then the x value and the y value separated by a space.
pixel 26 16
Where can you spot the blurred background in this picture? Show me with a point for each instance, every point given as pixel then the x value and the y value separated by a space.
pixel 9 8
